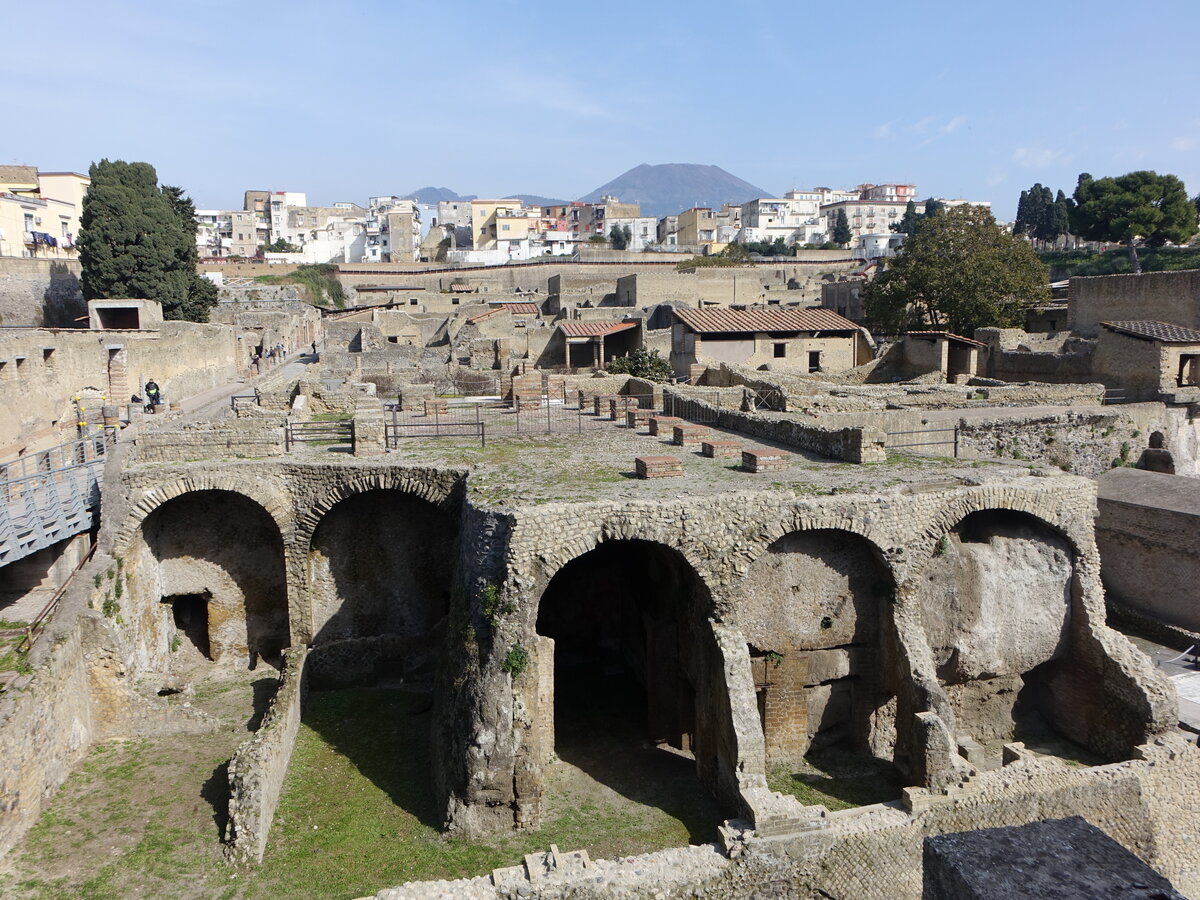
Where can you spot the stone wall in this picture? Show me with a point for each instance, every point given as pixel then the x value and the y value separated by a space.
pixel 40 292
pixel 852 444
pixel 1146 531
pixel 237 438
pixel 1172 297
pixel 258 768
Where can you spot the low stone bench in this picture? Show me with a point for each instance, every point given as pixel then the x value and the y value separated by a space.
pixel 765 460
pixel 715 449
pixel 658 466
pixel 686 435
pixel 439 407
pixel 635 417
pixel 663 424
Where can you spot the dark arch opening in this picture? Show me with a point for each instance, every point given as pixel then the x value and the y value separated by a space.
pixel 998 604
pixel 380 567
pixel 816 613
pixel 624 667
pixel 224 551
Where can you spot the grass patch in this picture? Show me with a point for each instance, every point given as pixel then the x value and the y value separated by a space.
pixel 358 812
pixel 318 284
pixel 837 779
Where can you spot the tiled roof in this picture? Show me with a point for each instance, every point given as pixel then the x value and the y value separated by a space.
pixel 522 309
pixel 593 329
pixel 746 320
pixel 950 336
pixel 1155 331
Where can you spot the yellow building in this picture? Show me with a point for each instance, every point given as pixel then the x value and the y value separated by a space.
pixel 484 213
pixel 39 212
pixel 697 226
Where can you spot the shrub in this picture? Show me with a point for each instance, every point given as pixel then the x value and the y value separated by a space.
pixel 642 363
pixel 515 661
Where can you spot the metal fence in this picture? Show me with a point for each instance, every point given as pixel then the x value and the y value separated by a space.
pixel 483 420
pixel 337 432
pixel 918 439
pixel 701 408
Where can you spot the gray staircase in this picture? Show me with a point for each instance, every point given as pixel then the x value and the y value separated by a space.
pixel 49 495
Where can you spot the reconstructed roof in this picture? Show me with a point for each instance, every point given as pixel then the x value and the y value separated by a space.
pixel 594 329
pixel 948 335
pixel 487 314
pixel 522 309
pixel 19 175
pixel 751 320
pixel 1149 330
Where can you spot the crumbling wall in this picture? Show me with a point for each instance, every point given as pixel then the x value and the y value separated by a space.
pixel 235 438
pixel 258 768
pixel 40 292
pixel 1172 297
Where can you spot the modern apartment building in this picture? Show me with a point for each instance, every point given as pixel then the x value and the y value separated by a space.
pixel 39 212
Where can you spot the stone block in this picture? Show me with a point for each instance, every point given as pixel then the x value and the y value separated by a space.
pixel 658 466
pixel 637 417
pixel 437 407
pixel 527 403
pixel 1062 858
pixel 718 449
pixel 765 460
pixel 689 435
pixel 618 405
pixel 663 424
pixel 600 403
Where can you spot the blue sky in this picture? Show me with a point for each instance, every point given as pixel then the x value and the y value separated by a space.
pixel 346 100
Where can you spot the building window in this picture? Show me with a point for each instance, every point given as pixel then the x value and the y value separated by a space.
pixel 48 357
pixel 814 360
pixel 780 351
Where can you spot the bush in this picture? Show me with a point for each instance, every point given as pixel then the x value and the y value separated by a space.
pixel 318 283
pixel 515 661
pixel 642 363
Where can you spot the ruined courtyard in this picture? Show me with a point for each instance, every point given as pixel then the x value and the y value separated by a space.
pixel 440 612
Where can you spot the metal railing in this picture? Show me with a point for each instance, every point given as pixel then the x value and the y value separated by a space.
pixel 952 441
pixel 702 409
pixel 336 432
pixel 50 495
pixel 495 419
pixel 35 628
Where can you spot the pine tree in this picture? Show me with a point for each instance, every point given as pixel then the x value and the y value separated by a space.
pixel 139 241
pixel 1136 206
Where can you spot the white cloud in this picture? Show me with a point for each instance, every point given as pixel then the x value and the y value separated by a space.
pixel 953 125
pixel 1039 157
pixel 883 131
pixel 1184 143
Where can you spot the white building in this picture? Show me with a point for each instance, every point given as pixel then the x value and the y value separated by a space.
pixel 795 218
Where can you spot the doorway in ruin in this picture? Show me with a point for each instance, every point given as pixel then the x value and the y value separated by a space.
pixel 224 552
pixel 380 564
pixel 622 662
pixel 996 605
pixel 815 613
pixel 189 614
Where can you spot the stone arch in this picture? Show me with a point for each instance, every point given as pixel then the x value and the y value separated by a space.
pixel 625 622
pixel 438 488
pixel 209 570
pixel 815 607
pixel 999 602
pixel 379 568
pixel 272 503
pixel 1041 506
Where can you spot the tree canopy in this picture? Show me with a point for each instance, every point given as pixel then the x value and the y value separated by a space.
pixel 642 363
pixel 1042 215
pixel 1138 205
pixel 620 236
pixel 279 245
pixel 139 240
pixel 841 229
pixel 959 272
pixel 911 220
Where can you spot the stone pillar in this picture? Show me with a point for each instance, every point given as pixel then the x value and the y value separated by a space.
pixel 542 734
pixel 369 432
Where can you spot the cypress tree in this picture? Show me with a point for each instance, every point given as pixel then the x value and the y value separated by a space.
pixel 137 240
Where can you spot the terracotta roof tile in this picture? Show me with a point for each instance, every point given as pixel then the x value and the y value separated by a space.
pixel 594 329
pixel 949 335
pixel 1155 331
pixel 745 320
pixel 522 309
